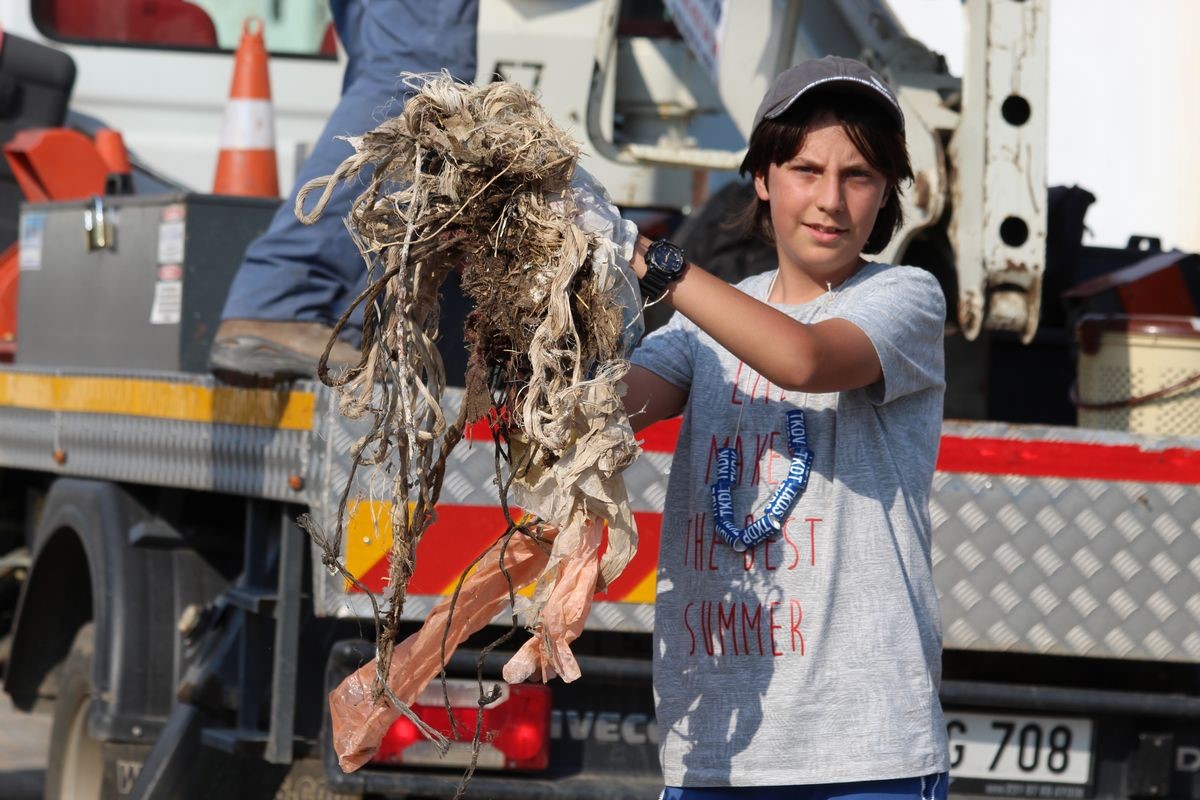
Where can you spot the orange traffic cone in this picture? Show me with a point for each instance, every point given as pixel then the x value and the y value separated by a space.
pixel 246 165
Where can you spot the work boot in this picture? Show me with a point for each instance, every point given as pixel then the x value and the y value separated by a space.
pixel 271 351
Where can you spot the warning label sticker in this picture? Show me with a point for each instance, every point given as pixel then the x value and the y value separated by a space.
pixel 168 302
pixel 33 237
pixel 170 242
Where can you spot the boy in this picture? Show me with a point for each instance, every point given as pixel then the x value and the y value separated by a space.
pixel 797 634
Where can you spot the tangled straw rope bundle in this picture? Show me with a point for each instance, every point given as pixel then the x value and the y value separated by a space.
pixel 480 179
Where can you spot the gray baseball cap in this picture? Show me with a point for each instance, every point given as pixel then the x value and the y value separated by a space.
pixel 830 71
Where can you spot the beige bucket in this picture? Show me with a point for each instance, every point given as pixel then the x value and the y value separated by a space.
pixel 1139 373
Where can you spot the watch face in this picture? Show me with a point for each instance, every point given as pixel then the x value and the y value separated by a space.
pixel 667 257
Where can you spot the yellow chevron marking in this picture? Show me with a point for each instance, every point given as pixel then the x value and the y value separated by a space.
pixel 644 591
pixel 526 591
pixel 368 535
pixel 158 399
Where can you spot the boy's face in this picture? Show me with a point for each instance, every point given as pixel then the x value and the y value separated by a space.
pixel 824 202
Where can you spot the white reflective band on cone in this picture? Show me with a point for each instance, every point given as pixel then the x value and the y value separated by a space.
pixel 249 125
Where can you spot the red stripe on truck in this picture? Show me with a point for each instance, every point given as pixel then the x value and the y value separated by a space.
pixel 1035 458
pixel 1070 460
pixel 658 438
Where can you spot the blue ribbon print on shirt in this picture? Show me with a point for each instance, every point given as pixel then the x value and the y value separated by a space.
pixel 781 502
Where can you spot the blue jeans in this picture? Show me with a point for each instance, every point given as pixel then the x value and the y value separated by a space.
pixel 311 273
pixel 930 787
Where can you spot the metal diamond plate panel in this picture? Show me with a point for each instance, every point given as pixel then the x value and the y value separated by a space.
pixel 255 460
pixel 1025 563
pixel 237 460
pixel 1068 566
pixel 332 441
pixel 469 481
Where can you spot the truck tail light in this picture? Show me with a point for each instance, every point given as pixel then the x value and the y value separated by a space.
pixel 515 733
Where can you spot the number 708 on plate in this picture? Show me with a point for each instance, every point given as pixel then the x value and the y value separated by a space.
pixel 1009 748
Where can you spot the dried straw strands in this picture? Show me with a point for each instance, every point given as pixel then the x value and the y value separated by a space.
pixel 480 179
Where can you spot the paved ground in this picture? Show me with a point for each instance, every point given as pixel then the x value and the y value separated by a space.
pixel 23 739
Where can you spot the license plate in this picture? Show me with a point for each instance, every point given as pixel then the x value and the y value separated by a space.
pixel 998 747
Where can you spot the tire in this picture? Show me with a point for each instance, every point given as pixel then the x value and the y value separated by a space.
pixel 76 765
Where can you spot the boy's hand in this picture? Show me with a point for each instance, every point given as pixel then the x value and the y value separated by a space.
pixel 638 262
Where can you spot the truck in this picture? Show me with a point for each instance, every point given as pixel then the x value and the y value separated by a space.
pixel 162 604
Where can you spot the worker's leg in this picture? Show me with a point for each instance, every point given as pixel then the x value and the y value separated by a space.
pixel 307 272
pixel 310 273
pixel 347 21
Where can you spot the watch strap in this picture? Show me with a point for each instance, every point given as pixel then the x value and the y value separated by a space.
pixel 653 284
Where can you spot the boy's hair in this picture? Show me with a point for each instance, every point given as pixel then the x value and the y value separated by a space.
pixel 870 129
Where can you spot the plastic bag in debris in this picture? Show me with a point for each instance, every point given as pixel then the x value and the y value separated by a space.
pixel 612 239
pixel 359 720
pixel 564 606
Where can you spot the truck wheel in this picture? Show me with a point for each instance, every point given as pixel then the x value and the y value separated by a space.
pixel 76 766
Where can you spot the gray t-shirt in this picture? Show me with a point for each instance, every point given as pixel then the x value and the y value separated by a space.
pixel 815 658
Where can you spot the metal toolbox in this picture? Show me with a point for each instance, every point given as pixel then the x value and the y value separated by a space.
pixel 130 282
pixel 1140 373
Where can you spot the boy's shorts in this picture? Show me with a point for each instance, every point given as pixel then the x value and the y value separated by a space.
pixel 929 787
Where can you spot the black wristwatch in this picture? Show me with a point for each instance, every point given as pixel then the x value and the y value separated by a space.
pixel 664 265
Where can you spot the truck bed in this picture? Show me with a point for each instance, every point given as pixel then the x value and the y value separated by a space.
pixel 1047 540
